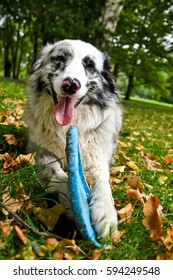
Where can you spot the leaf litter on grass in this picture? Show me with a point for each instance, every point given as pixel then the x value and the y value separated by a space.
pixel 143 152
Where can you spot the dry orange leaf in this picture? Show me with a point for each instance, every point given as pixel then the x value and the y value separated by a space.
pixel 11 161
pixel 5 226
pixel 21 235
pixel 136 195
pixel 96 254
pixel 165 256
pixel 50 216
pixel 8 160
pixel 26 158
pixel 168 239
pixel 59 255
pixel 52 241
pixel 135 182
pixel 10 138
pixel 167 159
pixel 117 236
pixel 70 244
pixel 126 212
pixel 61 250
pixel 151 164
pixel 153 220
pixel 13 204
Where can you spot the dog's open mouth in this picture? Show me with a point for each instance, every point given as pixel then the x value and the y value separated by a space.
pixel 65 109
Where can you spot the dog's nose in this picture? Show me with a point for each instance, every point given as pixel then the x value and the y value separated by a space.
pixel 70 86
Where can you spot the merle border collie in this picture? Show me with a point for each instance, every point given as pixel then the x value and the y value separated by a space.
pixel 72 84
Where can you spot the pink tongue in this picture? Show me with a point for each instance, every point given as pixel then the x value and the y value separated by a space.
pixel 64 110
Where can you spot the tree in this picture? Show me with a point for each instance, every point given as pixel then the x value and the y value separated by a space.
pixel 141 44
pixel 28 25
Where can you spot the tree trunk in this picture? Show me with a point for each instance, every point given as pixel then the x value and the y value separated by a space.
pixel 7 63
pixel 35 49
pixel 116 70
pixel 129 88
pixel 109 20
pixel 6 43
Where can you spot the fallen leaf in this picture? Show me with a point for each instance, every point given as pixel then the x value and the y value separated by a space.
pixel 11 161
pixel 136 195
pixel 20 193
pixel 168 159
pixel 96 254
pixel 13 204
pixel 6 227
pixel 26 158
pixel 10 139
pixel 125 212
pixel 27 253
pixel 69 256
pixel 139 147
pixel 52 241
pixel 168 239
pixel 16 202
pixel 8 160
pixel 66 250
pixel 132 165
pixel 165 256
pixel 135 182
pixel 21 235
pixel 117 236
pixel 59 255
pixel 50 216
pixel 13 115
pixel 115 180
pixel 117 169
pixel 149 161
pixel 70 244
pixel 153 220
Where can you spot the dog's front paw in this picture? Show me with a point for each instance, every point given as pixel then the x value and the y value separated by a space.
pixel 103 212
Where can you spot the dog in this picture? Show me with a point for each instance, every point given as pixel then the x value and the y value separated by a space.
pixel 72 84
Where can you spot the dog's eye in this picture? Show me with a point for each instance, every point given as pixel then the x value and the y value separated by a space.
pixel 61 58
pixel 89 63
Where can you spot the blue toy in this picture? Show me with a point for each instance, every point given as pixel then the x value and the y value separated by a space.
pixel 79 189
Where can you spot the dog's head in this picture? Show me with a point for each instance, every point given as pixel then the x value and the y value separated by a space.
pixel 73 72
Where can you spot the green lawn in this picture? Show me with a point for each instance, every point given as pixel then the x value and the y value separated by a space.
pixel 145 150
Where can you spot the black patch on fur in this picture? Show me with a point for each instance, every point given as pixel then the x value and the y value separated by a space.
pixel 89 64
pixel 107 75
pixel 109 85
pixel 99 99
pixel 91 83
pixel 106 63
pixel 40 85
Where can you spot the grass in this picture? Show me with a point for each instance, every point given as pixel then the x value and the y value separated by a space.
pixel 145 139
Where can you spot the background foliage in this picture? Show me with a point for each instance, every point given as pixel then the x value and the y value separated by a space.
pixel 137 34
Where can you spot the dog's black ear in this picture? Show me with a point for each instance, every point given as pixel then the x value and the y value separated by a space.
pixel 106 62
pixel 107 74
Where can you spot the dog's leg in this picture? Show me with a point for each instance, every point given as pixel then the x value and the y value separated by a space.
pixel 103 212
pixel 56 180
